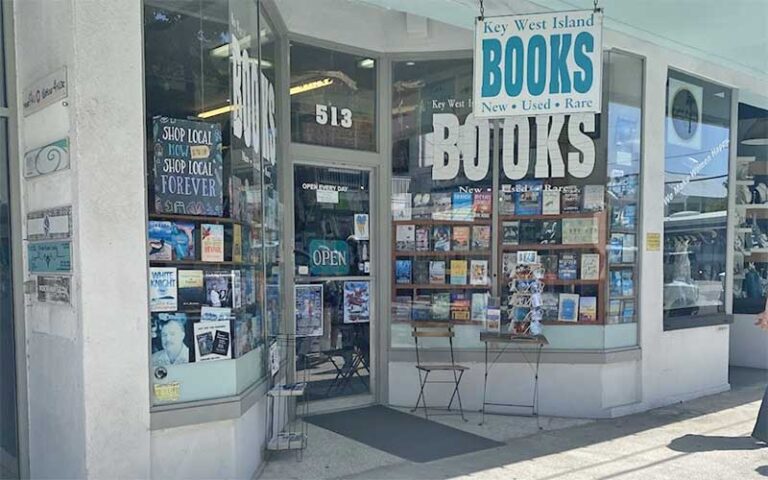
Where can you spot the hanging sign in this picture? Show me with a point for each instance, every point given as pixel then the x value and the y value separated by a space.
pixel 328 257
pixel 546 63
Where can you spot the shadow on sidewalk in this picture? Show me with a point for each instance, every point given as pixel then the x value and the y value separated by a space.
pixel 706 443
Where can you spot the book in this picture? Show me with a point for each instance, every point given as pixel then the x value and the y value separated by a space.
pixel 590 266
pixel 171 240
pixel 420 272
pixel 507 202
pixel 401 309
pixel 236 200
pixel 218 288
pixel 462 207
pixel 528 197
pixel 580 231
pixel 594 198
pixel 550 232
pixel 525 257
pixel 478 307
pixel 212 341
pixel 441 238
pixel 405 238
pixel 403 271
pixel 550 202
pixel 550 307
pixel 237 243
pixel 422 239
pixel 441 206
pixel 588 309
pixel 570 199
pixel 614 283
pixel 422 206
pixel 401 206
pixel 628 248
pixel 437 272
pixel 510 233
pixel 460 307
pixel 615 248
pixel 550 265
pixel 628 311
pixel 460 239
pixel 215 314
pixel 569 307
pixel 237 289
pixel 191 289
pixel 421 308
pixel 629 217
pixel 212 242
pixel 441 306
pixel 567 266
pixel 478 272
pixel 627 283
pixel 458 272
pixel 508 263
pixel 614 310
pixel 482 204
pixel 481 237
pixel 163 289
pixel 529 231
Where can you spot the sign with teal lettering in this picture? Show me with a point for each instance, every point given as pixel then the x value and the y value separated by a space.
pixel 328 258
pixel 49 257
pixel 541 64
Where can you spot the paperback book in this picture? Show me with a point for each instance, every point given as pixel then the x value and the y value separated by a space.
pixel 628 248
pixel 458 272
pixel 422 206
pixel 528 197
pixel 401 206
pixel 237 289
pixel 405 238
pixel 590 266
pixel 441 238
pixel 550 202
pixel 237 243
pixel 403 271
pixel 550 307
pixel 588 309
pixel 550 265
pixel 479 307
pixel 550 232
pixel 615 248
pixel 437 272
pixel 460 306
pixel 421 309
pixel 212 241
pixel 481 205
pixel 460 240
pixel 422 239
pixel 441 206
pixel 507 203
pixel 530 231
pixel 570 200
pixel 627 283
pixel 628 311
pixel 420 272
pixel 569 307
pixel 510 233
pixel 441 306
pixel 218 288
pixel 478 272
pixel 191 288
pixel 567 266
pixel 580 231
pixel 163 289
pixel 462 207
pixel 401 309
pixel 614 283
pixel 171 240
pixel 481 237
pixel 594 198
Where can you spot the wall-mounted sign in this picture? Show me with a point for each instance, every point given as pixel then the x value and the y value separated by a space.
pixel 684 110
pixel 45 91
pixel 49 257
pixel 328 257
pixel 653 242
pixel 167 392
pixel 52 224
pixel 47 159
pixel 54 289
pixel 538 64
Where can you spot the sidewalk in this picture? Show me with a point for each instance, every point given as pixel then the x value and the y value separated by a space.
pixel 705 438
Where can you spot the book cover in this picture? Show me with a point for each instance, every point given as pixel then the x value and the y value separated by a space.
pixel 437 272
pixel 236 197
pixel 441 306
pixel 458 272
pixel 570 199
pixel 460 239
pixel 421 309
pixel 508 263
pixel 507 203
pixel 462 207
pixel 243 335
pixel 479 307
pixel 510 233
pixel 422 206
pixel 212 242
pixel 567 265
pixel 163 289
pixel 528 197
pixel 176 347
pixel 420 272
pixel 215 314
pixel 550 265
pixel 237 289
pixel 159 240
pixel 401 206
pixel 212 341
pixel 237 243
pixel 481 205
pixel 588 309
pixel 590 266
pixel 594 198
pixel 616 248
pixel 441 206
pixel 550 232
pixel 401 309
pixel 550 306
pixel 481 237
pixel 627 283
pixel 218 288
pixel 614 310
pixel 405 238
pixel 525 257
pixel 460 305
pixel 628 248
pixel 441 238
pixel 529 231
pixel 628 311
pixel 580 231
pixel 478 272
pixel 403 271
pixel 422 239
pixel 614 283
pixel 191 288
pixel 629 217
pixel 569 307
pixel 550 202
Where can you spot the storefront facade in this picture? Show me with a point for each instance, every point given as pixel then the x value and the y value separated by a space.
pixel 263 172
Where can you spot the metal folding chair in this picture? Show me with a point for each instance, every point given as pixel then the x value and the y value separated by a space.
pixel 440 330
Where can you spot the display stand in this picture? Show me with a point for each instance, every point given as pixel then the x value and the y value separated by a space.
pixel 287 402
pixel 515 341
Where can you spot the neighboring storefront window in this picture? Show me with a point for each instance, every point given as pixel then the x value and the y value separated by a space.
pixel 333 98
pixel 572 204
pixel 750 261
pixel 695 201
pixel 213 241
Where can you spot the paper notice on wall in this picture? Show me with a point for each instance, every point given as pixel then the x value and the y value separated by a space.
pixel 167 392
pixel 653 242
pixel 327 196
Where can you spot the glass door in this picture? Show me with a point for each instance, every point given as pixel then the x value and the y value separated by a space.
pixel 333 287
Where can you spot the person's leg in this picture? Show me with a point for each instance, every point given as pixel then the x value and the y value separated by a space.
pixel 761 426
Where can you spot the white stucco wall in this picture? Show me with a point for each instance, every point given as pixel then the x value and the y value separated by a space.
pixel 749 346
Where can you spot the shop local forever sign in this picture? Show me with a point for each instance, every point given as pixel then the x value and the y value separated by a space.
pixel 547 63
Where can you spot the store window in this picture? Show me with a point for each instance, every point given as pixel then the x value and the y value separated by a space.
pixel 750 261
pixel 333 98
pixel 461 225
pixel 213 242
pixel 695 201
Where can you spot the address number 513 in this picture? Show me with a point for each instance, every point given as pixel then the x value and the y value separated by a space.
pixel 336 117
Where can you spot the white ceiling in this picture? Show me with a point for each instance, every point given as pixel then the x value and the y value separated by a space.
pixel 728 32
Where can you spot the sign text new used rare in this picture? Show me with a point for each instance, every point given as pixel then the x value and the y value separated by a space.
pixel 549 63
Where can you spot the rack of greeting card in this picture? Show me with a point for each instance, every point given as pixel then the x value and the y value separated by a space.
pixel 441 251
pixel 564 226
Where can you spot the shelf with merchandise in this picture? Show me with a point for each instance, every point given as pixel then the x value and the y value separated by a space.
pixel 461 253
pixel 432 222
pixel 199 263
pixel 552 246
pixel 439 286
pixel 559 216
pixel 201 219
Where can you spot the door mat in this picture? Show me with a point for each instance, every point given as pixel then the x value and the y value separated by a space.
pixel 406 436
